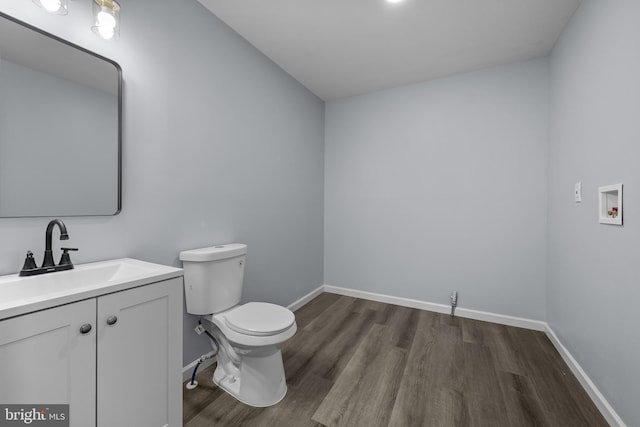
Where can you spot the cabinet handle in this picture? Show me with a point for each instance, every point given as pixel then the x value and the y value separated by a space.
pixel 85 329
pixel 111 320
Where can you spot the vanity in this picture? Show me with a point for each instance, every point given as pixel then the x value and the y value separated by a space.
pixel 105 338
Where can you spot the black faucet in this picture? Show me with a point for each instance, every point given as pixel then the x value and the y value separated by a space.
pixel 48 266
pixel 48 253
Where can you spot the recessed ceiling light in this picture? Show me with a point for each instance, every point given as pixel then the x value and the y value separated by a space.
pixel 394 1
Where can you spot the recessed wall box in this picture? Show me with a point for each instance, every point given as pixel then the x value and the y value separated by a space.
pixel 610 204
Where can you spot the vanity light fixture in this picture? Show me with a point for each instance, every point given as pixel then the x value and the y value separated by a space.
pixel 106 15
pixel 106 19
pixel 394 1
pixel 58 7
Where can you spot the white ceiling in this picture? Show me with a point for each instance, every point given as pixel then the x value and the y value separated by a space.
pixel 339 48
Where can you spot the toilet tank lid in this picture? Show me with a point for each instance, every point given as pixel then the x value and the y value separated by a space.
pixel 214 253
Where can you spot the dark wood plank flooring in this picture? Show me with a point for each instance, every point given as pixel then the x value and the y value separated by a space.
pixel 362 363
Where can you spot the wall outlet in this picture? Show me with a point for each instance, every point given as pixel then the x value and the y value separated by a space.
pixel 578 192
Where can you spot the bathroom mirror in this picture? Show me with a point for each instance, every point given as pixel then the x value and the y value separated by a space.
pixel 60 126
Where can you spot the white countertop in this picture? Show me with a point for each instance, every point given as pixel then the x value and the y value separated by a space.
pixel 21 295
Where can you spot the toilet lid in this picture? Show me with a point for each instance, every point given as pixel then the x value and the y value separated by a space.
pixel 259 318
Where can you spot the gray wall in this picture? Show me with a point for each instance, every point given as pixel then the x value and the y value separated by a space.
pixel 430 187
pixel 220 145
pixel 440 186
pixel 593 287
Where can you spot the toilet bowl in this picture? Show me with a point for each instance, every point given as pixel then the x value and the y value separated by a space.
pixel 250 364
pixel 247 336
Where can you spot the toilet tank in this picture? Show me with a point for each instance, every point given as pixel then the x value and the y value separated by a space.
pixel 213 277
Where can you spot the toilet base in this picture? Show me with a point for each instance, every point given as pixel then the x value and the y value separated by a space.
pixel 258 380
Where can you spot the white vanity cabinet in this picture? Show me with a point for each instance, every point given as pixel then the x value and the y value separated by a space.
pixel 115 358
pixel 45 359
pixel 140 356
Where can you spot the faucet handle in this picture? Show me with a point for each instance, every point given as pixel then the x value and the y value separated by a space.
pixel 66 259
pixel 29 262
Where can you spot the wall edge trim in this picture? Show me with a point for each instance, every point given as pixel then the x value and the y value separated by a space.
pixel 294 306
pixel 440 308
pixel 596 396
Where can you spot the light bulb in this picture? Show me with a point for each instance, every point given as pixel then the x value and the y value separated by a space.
pixel 105 19
pixel 106 33
pixel 50 5
pixel 58 7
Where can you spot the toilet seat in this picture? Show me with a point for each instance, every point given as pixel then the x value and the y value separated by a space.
pixel 259 319
pixel 276 324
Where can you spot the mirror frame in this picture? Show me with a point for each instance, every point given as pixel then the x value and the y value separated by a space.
pixel 119 115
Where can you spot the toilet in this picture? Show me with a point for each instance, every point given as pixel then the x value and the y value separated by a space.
pixel 247 336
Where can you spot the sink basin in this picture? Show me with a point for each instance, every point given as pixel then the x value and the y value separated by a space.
pixel 20 295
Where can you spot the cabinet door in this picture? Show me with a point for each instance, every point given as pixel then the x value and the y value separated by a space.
pixel 140 356
pixel 45 359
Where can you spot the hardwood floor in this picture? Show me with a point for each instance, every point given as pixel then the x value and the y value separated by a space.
pixel 361 363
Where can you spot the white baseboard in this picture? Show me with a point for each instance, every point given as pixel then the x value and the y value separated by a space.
pixel 305 299
pixel 598 399
pixel 520 322
pixel 388 299
pixel 187 371
pixel 440 308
